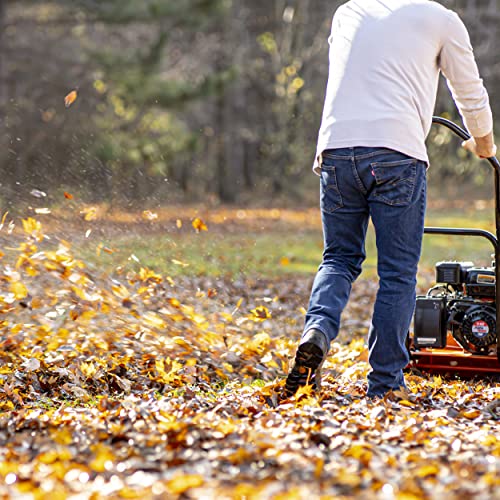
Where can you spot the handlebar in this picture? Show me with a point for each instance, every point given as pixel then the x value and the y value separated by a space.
pixel 463 134
pixel 496 166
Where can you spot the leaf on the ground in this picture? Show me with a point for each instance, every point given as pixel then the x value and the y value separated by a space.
pixel 150 216
pixel 184 482
pixel 472 414
pixel 89 213
pixel 128 384
pixel 199 225
pixel 179 263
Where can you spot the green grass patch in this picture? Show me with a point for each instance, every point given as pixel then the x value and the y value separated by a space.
pixel 276 254
pixel 215 254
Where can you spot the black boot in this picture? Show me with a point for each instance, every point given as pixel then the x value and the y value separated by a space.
pixel 306 369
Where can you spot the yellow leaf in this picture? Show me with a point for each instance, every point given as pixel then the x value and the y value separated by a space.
pixel 103 458
pixel 405 402
pixel 360 452
pixel 491 479
pixel 260 313
pixel 120 291
pixel 185 482
pixel 31 271
pixel 80 293
pixel 88 369
pixel 318 470
pixel 178 223
pixel 33 228
pixel 131 493
pixel 6 405
pixel 179 263
pixel 291 494
pixel 199 225
pixel 306 390
pixel 152 319
pixel 427 470
pixel 89 213
pixel 347 478
pixel 174 302
pixel 3 220
pixel 19 290
pixel 146 274
pixel 62 436
pixel 471 414
pixel 51 456
pixel 259 342
pixel 406 495
pixel 489 440
pixel 167 376
pixel 167 426
pixel 88 315
pixel 70 98
pixel 228 367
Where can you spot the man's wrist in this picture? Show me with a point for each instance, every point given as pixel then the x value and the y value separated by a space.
pixel 485 146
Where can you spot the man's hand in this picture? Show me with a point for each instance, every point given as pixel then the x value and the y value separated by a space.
pixel 484 147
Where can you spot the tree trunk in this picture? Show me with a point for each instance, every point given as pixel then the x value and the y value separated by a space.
pixel 3 83
pixel 231 106
pixel 4 189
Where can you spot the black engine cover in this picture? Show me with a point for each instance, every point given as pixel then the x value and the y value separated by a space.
pixel 430 322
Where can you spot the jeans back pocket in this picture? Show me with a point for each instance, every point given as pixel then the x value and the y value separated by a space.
pixel 394 181
pixel 330 197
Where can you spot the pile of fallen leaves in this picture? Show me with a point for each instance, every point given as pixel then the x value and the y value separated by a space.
pixel 136 386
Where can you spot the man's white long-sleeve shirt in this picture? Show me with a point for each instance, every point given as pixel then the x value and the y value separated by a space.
pixel 385 60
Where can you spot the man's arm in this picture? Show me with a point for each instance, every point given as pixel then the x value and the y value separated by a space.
pixel 459 66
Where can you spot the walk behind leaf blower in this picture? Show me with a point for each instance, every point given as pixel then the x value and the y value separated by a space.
pixel 455 323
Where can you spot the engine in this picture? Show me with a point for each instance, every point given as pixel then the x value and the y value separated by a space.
pixel 462 303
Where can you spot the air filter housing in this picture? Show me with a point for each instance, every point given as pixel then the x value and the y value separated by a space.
pixel 452 273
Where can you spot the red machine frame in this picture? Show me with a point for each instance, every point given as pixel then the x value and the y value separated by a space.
pixel 453 358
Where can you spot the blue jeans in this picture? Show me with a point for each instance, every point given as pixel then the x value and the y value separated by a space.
pixel 390 187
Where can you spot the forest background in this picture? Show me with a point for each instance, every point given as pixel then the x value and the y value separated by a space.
pixel 188 100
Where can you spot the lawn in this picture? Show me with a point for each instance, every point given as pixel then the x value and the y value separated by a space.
pixel 267 246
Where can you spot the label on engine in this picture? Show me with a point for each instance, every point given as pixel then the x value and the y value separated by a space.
pixel 480 328
pixel 485 278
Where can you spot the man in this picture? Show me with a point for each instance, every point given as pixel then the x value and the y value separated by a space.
pixel 385 60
